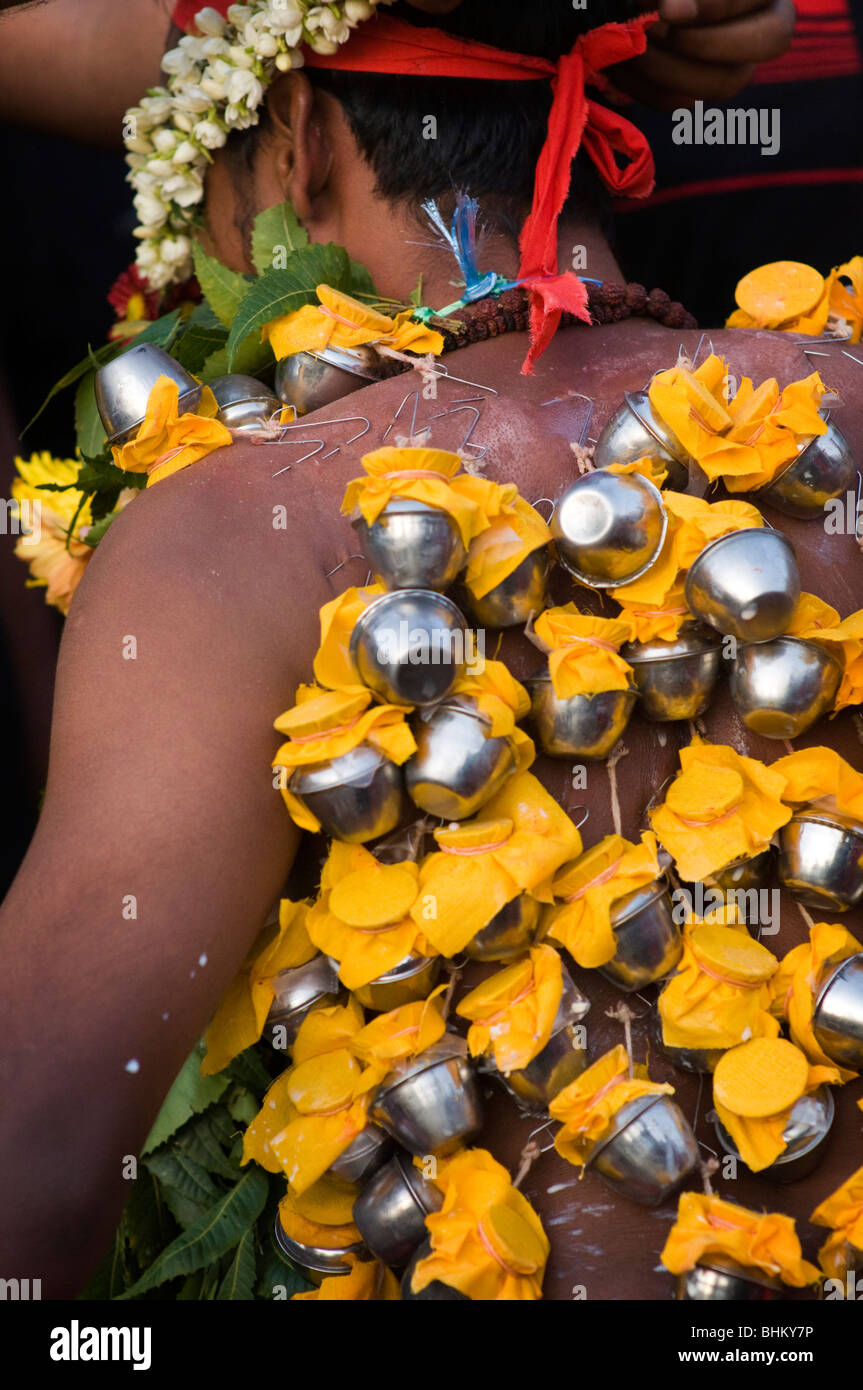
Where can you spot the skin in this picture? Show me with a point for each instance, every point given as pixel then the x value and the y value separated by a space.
pixel 159 785
pixel 105 55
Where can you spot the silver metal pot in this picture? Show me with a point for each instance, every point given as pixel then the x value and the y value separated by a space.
pixel 675 680
pixel 745 584
pixel 410 646
pixel 805 1134
pixel 635 431
pixel 608 528
pixel 824 470
pixel 700 1060
pixel 719 1279
pixel 432 1105
pixel 310 380
pixel 584 726
pixel 316 1261
pixel 363 1157
pixel 821 859
pixel 436 1291
pixel 390 1211
pixel 510 933
pixel 123 385
pixel 782 687
pixel 458 765
pixel 561 1061
pixel 412 545
pixel 296 993
pixel 412 979
pixel 244 402
pixel 649 942
pixel 837 1019
pixel 515 599
pixel 648 1151
pixel 356 797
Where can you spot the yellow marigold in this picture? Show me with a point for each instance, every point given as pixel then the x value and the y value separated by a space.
pixel 56 557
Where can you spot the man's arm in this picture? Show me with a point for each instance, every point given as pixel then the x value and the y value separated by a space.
pixel 161 848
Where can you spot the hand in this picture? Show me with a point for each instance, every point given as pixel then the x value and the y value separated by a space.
pixel 705 50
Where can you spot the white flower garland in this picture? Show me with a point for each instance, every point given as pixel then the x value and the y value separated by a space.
pixel 216 82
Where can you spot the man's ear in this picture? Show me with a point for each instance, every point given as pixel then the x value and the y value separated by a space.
pixel 302 152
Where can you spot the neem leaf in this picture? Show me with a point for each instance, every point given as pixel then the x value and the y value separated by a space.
pixel 190 1094
pixel 239 1282
pixel 276 230
pixel 224 289
pixel 200 1141
pixel 161 332
pixel 211 1236
pixel 247 1069
pixel 281 291
pixel 89 429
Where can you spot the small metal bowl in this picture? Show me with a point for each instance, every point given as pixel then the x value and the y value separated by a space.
pixel 296 992
pixel 609 528
pixel 316 1261
pixel 310 380
pixel 782 687
pixel 675 680
pixel 745 584
pixel 510 933
pixel 436 1291
pixel 432 1105
pixel 410 646
pixel 700 1060
pixel 244 402
pixel 412 979
pixel 648 1151
pixel 837 1019
pixel 649 942
pixel 390 1212
pixel 364 1157
pixel 513 601
pixel 719 1279
pixel 411 545
pixel 805 1135
pixel 584 726
pixel 744 874
pixel 824 470
pixel 123 385
pixel 821 859
pixel 356 797
pixel 635 431
pixel 563 1058
pixel 458 765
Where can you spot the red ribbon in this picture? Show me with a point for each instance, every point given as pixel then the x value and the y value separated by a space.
pixel 390 46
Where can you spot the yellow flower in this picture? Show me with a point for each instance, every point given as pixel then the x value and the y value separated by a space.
pixel 583 651
pixel 520 838
pixel 581 921
pixel 587 1106
pixel 486 1241
pixel 428 476
pixel 763 1241
pixel 368 1282
pixel 57 559
pixel 721 993
pixel 796 982
pixel 168 441
pixel 842 1211
pixel 340 321
pixel 755 1088
pixel 513 1011
pixel 362 918
pixel 239 1020
pixel 721 807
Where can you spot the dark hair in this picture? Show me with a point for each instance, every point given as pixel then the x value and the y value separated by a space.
pixel 488 134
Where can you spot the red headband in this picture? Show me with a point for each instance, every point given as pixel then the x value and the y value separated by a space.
pixel 387 45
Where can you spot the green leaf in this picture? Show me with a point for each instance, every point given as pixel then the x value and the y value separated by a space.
pixel 211 1236
pixel 247 1069
pixel 200 1141
pixel 244 1107
pixel 161 332
pixel 190 1094
pixel 186 1186
pixel 203 336
pixel 102 354
pixel 89 429
pixel 239 1282
pixel 224 289
pixel 276 1273
pixel 281 291
pixel 148 1225
pixel 251 357
pixel 109 1279
pixel 361 282
pixel 276 227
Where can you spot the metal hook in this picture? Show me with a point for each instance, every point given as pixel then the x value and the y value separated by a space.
pixel 858 360
pixel 441 370
pixel 579 806
pixel 289 466
pixel 858 535
pixel 698 349
pixel 577 396
pixel 341 566
pixel 551 503
pixel 415 395
pixel 466 442
pixel 345 420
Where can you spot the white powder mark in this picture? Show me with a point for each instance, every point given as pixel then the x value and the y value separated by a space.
pixel 192 974
pixel 202 959
pixel 133 1065
pixel 560 1186
pixel 165 1017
